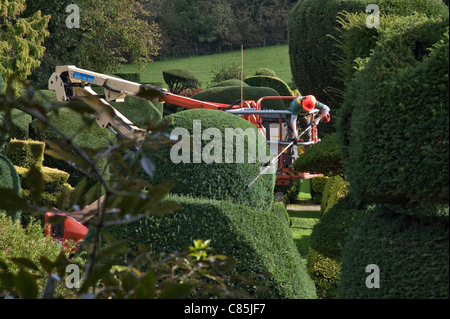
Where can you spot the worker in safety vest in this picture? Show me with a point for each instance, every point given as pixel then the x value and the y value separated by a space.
pixel 302 108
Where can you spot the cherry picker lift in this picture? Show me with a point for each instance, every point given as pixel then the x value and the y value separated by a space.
pixel 70 82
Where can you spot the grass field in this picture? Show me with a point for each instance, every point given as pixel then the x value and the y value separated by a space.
pixel 275 58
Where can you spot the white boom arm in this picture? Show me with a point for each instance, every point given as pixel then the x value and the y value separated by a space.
pixel 70 82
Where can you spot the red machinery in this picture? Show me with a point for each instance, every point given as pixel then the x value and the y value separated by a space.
pixel 68 233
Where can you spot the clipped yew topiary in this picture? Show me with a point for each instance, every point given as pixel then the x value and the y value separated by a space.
pixel 313 28
pixel 318 187
pixel 324 158
pixel 231 94
pixel 327 240
pixel 231 82
pixel 72 124
pixel 410 253
pixel 211 158
pixel 395 140
pixel 271 82
pixel 335 188
pixel 260 241
pixel 25 153
pixel 265 72
pixel 180 79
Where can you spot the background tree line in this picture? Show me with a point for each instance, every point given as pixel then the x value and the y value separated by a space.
pixel 130 31
pixel 193 27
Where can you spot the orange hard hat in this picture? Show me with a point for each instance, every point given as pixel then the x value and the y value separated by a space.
pixel 309 103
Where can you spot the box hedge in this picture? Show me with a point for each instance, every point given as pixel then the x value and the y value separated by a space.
pixel 231 94
pixel 411 253
pixel 335 188
pixel 395 140
pixel 317 188
pixel 25 153
pixel 323 158
pixel 271 82
pixel 312 27
pixel 225 177
pixel 231 82
pixel 327 240
pixel 88 138
pixel 260 241
pixel 180 79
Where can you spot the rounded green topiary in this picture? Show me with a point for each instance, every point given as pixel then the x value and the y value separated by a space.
pixel 394 139
pixel 271 82
pixel 180 79
pixel 312 28
pixel 266 72
pixel 216 169
pixel 231 94
pixel 327 240
pixel 139 111
pixel 411 255
pixel 260 241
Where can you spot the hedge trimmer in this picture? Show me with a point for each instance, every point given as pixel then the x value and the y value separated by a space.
pixel 273 161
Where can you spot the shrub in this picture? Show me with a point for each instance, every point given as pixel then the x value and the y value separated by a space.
pixel 16 127
pixel 411 253
pixel 317 187
pixel 327 240
pixel 231 94
pixel 28 242
pixel 25 153
pixel 300 190
pixel 335 188
pixel 271 82
pixel 224 178
pixel 224 73
pixel 312 26
pixel 139 111
pixel 265 72
pixel 395 139
pixel 232 82
pixel 324 158
pixel 259 241
pixel 179 80
pixel 280 209
pixel 9 179
pixel 72 124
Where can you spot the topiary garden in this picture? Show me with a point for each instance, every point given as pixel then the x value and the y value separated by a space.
pixel 383 224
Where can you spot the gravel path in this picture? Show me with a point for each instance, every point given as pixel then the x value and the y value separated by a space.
pixel 303 207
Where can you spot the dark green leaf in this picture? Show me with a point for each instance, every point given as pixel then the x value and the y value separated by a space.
pixel 26 285
pixel 24 262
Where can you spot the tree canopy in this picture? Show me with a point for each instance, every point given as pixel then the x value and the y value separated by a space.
pixel 21 38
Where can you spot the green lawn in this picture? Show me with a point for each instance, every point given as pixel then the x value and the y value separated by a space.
pixel 302 225
pixel 275 58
